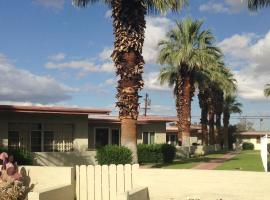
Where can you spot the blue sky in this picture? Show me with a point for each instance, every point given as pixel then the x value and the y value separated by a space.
pixel 53 53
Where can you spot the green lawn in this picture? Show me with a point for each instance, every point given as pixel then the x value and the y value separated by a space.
pixel 189 163
pixel 245 161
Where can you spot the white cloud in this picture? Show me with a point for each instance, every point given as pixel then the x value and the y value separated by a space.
pixel 214 7
pixel 108 14
pixel 164 110
pixel 152 83
pixel 55 4
pixel 156 30
pixel 106 53
pixel 57 57
pixel 22 85
pixel 83 67
pixel 249 55
pixel 224 6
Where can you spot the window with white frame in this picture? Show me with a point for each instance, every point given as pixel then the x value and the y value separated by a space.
pixel 148 137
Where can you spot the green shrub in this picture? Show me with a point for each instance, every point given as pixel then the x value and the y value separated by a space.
pixel 21 157
pixel 155 153
pixel 149 153
pixel 268 148
pixel 247 146
pixel 168 153
pixel 113 154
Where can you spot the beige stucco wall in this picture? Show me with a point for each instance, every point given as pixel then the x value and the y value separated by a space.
pixel 49 182
pixel 46 177
pixel 80 123
pixel 65 158
pixel 159 129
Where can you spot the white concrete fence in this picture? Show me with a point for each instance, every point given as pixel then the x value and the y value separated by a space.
pixel 264 152
pixel 105 182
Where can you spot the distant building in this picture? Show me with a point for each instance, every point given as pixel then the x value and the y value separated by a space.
pixel 253 137
pixel 68 136
pixel 172 134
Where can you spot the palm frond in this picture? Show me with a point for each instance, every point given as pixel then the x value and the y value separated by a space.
pixel 267 90
pixel 257 4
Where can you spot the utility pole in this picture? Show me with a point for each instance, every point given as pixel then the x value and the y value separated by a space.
pixel 147 104
pixel 261 120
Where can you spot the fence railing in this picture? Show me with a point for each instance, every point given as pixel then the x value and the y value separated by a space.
pixel 104 182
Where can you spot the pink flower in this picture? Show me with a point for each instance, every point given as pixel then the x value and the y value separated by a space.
pixel 3 156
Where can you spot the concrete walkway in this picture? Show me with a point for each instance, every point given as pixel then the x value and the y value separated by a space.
pixel 215 162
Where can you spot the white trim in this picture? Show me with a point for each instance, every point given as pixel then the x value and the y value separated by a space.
pixel 149 136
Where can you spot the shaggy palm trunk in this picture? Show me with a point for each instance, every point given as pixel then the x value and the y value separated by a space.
pixel 204 110
pixel 226 121
pixel 129 26
pixel 178 102
pixel 185 92
pixel 211 116
pixel 219 100
pixel 218 127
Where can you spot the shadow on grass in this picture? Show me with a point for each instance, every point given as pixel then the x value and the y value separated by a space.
pixel 184 161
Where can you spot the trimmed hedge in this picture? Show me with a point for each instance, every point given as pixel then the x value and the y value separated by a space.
pixel 156 153
pixel 168 152
pixel 20 156
pixel 113 154
pixel 247 146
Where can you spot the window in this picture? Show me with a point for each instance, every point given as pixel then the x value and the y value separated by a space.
pixel 115 136
pixel 36 141
pixel 171 139
pixel 13 140
pixel 102 137
pixel 48 141
pixel 258 140
pixel 148 137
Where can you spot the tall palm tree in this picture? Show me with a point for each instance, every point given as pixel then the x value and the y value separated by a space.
pixel 256 4
pixel 186 50
pixel 231 105
pixel 223 85
pixel 267 90
pixel 129 32
pixel 213 83
pixel 203 96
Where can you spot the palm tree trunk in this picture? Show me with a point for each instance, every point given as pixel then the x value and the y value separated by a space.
pixel 211 115
pixel 178 92
pixel 226 121
pixel 219 100
pixel 204 111
pixel 218 127
pixel 129 27
pixel 185 121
